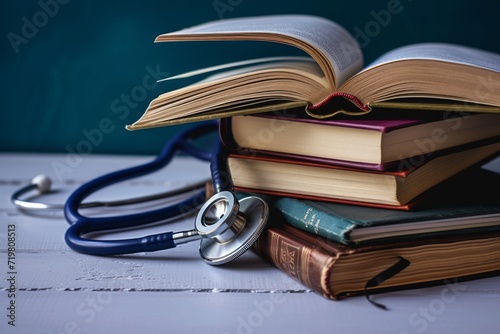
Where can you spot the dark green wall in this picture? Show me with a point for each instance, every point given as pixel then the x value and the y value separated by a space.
pixel 68 78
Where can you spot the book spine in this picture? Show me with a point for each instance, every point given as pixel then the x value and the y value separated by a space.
pixel 324 108
pixel 309 265
pixel 309 218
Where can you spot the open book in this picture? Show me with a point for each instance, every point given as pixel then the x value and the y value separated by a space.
pixel 437 76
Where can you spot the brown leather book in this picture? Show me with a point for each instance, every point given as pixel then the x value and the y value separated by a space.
pixel 337 271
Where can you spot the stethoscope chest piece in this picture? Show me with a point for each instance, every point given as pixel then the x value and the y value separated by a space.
pixel 229 227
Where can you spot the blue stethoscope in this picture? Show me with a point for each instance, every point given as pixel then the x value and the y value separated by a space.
pixel 226 226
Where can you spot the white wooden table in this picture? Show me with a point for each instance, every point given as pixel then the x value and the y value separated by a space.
pixel 174 291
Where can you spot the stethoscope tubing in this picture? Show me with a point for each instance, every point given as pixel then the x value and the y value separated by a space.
pixel 81 225
pixel 225 225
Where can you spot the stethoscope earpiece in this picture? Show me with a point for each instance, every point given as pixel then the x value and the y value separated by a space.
pixel 43 183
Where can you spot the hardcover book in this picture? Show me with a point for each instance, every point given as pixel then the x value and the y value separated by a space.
pixel 331 78
pixel 337 271
pixel 399 189
pixel 463 205
pixel 379 140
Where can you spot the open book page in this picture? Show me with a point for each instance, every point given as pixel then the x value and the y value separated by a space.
pixel 443 52
pixel 335 50
pixel 306 64
pixel 232 91
pixel 437 71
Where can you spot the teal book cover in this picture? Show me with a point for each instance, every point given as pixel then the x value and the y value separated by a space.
pixel 467 203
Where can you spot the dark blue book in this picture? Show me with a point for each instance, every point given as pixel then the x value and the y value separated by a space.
pixel 467 203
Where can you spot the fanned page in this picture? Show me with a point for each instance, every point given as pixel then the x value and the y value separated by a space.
pixel 228 70
pixel 443 52
pixel 430 70
pixel 335 50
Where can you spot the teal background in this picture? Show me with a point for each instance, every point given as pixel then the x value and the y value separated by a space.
pixel 69 79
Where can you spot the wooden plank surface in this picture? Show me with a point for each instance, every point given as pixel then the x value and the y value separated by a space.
pixel 60 291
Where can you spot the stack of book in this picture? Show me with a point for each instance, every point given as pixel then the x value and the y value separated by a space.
pixel 374 173
pixel 340 251
pixel 372 160
pixel 348 221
